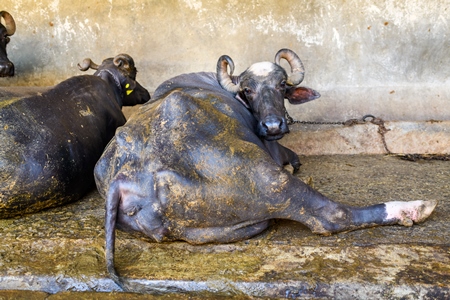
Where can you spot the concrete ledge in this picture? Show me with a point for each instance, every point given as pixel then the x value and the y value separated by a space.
pixel 256 268
pixel 431 137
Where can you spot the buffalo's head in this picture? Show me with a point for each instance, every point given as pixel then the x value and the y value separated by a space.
pixel 263 87
pixel 7 28
pixel 121 73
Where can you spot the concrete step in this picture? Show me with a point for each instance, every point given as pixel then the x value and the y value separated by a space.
pixel 430 137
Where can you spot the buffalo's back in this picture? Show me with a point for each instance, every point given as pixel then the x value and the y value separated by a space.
pixel 51 141
pixel 196 153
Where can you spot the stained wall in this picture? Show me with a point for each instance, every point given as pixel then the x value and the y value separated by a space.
pixel 387 58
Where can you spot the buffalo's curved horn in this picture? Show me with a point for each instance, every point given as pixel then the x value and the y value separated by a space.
pixel 86 64
pixel 297 69
pixel 223 77
pixel 10 25
pixel 123 60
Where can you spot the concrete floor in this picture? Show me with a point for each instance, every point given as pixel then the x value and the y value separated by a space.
pixel 59 253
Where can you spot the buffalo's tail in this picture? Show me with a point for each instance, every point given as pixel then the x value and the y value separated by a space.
pixel 112 205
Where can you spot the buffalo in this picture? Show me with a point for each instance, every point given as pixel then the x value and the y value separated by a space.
pixel 6 66
pixel 201 163
pixel 51 141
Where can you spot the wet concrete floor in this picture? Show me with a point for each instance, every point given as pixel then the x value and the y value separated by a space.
pixel 59 253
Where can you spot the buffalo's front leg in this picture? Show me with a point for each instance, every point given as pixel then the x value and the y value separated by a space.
pixel 282 155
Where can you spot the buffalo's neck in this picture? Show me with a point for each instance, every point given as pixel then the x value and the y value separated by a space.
pixel 114 83
pixel 3 55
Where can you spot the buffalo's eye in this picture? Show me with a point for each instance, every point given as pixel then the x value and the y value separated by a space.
pixel 283 85
pixel 247 90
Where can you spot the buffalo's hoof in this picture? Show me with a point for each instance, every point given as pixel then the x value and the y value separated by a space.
pixel 296 167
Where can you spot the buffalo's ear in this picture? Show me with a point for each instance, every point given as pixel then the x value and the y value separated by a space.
pixel 299 95
pixel 128 85
pixel 242 99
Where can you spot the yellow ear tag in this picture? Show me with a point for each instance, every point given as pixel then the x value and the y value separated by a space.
pixel 129 92
pixel 127 86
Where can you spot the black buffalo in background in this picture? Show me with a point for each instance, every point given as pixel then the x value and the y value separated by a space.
pixel 51 141
pixel 6 30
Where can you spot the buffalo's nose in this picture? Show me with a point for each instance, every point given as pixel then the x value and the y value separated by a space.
pixel 274 125
pixel 6 69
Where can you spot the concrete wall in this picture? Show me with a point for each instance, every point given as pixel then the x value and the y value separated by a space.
pixel 387 58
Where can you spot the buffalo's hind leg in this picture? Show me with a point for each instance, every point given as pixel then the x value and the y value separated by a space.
pixel 324 216
pixel 229 234
pixel 346 218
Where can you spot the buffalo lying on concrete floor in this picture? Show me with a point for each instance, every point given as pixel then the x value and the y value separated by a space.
pixel 50 142
pixel 194 164
pixel 6 66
